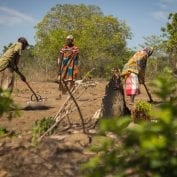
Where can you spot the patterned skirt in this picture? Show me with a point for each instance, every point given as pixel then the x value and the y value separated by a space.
pixel 69 69
pixel 132 86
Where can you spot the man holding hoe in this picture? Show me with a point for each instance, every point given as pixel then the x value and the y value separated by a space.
pixel 8 64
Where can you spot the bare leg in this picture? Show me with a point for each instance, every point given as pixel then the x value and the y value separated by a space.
pixel 7 79
pixel 132 98
pixel 61 89
pixel 71 85
pixel 64 90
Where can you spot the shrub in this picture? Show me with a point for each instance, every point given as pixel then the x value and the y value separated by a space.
pixel 147 149
pixel 142 111
pixel 7 105
pixel 3 131
pixel 41 126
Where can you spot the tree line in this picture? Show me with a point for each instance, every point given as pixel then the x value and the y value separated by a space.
pixel 102 41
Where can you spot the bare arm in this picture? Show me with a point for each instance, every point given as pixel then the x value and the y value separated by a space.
pixel 60 59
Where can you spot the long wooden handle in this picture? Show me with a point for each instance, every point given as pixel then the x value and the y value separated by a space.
pixel 37 99
pixel 147 91
pixel 19 73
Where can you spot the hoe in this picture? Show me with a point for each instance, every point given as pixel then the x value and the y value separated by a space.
pixel 35 98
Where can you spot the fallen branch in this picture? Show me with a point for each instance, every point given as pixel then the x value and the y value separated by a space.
pixel 59 117
pixel 80 114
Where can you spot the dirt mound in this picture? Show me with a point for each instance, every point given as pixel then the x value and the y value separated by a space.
pixel 51 158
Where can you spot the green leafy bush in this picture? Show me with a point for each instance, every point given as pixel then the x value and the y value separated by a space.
pixel 142 111
pixel 147 149
pixel 7 105
pixel 41 126
pixel 3 131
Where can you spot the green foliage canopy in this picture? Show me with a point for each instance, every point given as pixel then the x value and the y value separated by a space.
pixel 101 39
pixel 171 32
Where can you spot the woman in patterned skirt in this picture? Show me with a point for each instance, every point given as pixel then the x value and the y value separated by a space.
pixel 68 64
pixel 134 72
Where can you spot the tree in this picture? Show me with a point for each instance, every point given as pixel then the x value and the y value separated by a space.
pixel 6 47
pixel 101 39
pixel 157 43
pixel 159 59
pixel 170 33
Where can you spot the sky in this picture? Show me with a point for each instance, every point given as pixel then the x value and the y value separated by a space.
pixel 144 17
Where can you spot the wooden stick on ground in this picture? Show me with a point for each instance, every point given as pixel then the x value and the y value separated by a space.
pixel 80 114
pixel 59 117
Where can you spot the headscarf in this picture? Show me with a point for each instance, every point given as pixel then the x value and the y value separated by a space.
pixel 149 50
pixel 70 37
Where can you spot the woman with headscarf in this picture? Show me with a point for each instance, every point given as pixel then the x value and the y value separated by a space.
pixel 68 64
pixel 134 72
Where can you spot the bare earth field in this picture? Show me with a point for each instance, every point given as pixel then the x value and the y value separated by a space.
pixel 56 155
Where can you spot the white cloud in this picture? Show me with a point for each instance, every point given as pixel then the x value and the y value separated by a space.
pixel 166 7
pixel 11 17
pixel 168 1
pixel 163 6
pixel 168 4
pixel 161 15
